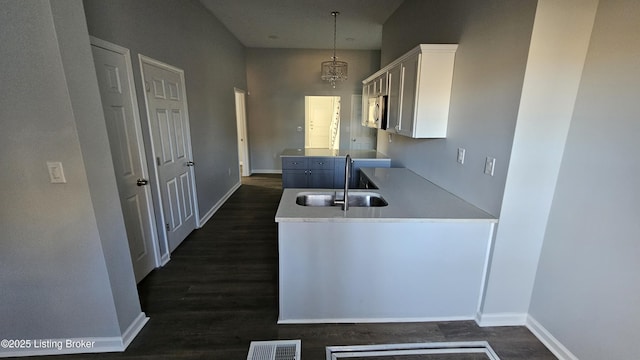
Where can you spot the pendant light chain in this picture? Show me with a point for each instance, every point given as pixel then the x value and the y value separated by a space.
pixel 335 32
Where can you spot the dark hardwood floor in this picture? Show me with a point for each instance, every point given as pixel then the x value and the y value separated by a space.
pixel 219 292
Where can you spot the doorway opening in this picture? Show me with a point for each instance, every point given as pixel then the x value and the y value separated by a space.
pixel 241 120
pixel 322 122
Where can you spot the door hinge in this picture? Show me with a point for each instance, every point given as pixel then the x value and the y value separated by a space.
pixel 158 160
pixel 168 229
pixel 146 86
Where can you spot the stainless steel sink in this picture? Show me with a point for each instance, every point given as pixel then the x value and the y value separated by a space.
pixel 356 199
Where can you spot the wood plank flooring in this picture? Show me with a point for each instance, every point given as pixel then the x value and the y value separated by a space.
pixel 219 292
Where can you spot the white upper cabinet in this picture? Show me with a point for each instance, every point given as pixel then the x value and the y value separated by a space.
pixel 418 89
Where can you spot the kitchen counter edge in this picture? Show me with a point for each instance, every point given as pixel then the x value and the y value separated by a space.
pixel 411 199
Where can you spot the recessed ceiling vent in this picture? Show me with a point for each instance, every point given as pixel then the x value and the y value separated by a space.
pixel 274 350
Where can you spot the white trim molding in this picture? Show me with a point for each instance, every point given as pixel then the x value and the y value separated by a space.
pixel 219 204
pixel 133 329
pixel 373 320
pixel 545 337
pixel 41 347
pixel 501 319
pixel 266 171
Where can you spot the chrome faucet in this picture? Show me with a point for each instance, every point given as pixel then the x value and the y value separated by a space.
pixel 347 177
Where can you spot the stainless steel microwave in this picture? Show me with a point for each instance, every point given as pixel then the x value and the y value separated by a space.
pixel 377 112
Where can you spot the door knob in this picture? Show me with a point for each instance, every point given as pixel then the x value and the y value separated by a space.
pixel 190 163
pixel 142 182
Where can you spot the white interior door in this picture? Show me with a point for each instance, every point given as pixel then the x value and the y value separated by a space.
pixel 113 69
pixel 241 119
pixel 169 126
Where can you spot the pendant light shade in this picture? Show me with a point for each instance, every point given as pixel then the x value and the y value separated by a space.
pixel 334 70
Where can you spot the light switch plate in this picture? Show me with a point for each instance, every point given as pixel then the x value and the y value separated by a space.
pixel 56 172
pixel 461 152
pixel 489 165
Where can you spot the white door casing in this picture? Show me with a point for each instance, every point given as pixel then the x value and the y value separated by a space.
pixel 115 80
pixel 167 114
pixel 241 119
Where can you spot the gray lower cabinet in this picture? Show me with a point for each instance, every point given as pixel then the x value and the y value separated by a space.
pixel 307 172
pixel 323 172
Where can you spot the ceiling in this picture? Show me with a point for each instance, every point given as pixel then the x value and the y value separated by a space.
pixel 304 24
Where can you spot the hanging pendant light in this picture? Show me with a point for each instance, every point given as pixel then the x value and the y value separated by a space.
pixel 334 70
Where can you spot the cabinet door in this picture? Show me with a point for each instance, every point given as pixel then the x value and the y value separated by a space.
pixel 294 178
pixel 393 103
pixel 294 162
pixel 381 84
pixel 408 95
pixel 338 173
pixel 365 104
pixel 321 163
pixel 320 179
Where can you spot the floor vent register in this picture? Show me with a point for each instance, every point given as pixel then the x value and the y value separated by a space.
pixel 274 350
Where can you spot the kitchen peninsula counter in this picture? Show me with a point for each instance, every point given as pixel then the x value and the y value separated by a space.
pixel 410 198
pixel 421 258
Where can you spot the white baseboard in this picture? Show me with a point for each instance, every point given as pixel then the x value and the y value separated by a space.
pixel 373 320
pixel 41 347
pixel 134 329
pixel 545 337
pixel 164 260
pixel 266 171
pixel 219 204
pixel 501 319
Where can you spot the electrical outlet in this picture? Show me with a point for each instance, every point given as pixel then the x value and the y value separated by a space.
pixel 461 152
pixel 489 165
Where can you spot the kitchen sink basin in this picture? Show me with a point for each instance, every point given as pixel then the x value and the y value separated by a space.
pixel 356 199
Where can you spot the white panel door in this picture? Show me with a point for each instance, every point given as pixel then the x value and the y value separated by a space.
pixel 169 125
pixel 113 69
pixel 241 120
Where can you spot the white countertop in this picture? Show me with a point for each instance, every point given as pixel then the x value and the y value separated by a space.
pixel 355 154
pixel 411 198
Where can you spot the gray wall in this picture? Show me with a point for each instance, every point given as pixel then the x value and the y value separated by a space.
pixel 184 34
pixel 55 275
pixel 493 38
pixel 77 59
pixel 587 290
pixel 278 80
pixel 559 44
